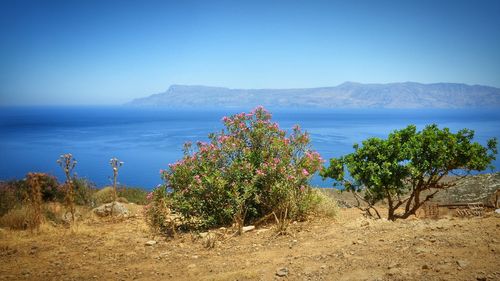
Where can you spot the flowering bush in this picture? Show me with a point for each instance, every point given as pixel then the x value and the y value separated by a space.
pixel 249 170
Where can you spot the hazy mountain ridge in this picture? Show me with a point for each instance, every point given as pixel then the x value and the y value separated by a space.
pixel 346 95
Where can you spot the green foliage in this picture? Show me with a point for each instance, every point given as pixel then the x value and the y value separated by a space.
pixel 133 195
pixel 84 191
pixel 248 170
pixel 409 162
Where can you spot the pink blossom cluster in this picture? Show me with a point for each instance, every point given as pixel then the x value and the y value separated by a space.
pixel 231 154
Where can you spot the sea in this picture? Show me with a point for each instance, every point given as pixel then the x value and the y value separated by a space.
pixel 148 139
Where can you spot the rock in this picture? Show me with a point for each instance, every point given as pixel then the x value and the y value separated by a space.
pixel 191 266
pixel 497 211
pixel 364 223
pixel 481 278
pixel 248 228
pixel 462 263
pixel 425 266
pixel 282 272
pixel 105 209
pixel 150 243
pixel 68 218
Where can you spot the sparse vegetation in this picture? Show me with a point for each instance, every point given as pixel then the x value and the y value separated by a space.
pixel 16 218
pixel 34 201
pixel 134 195
pixel 68 163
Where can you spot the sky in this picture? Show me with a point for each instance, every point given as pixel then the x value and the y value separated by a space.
pixel 108 52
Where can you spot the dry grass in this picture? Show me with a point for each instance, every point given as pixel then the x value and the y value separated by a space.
pixel 15 219
pixel 326 205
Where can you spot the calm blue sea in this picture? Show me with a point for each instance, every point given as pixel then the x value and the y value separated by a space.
pixel 147 140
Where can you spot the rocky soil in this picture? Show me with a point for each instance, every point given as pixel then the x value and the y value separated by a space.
pixel 348 248
pixel 478 188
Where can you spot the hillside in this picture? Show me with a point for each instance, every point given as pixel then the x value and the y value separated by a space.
pixel 349 248
pixel 346 95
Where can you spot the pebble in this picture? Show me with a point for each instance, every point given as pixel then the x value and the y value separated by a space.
pixel 282 272
pixel 462 263
pixel 150 243
pixel 248 228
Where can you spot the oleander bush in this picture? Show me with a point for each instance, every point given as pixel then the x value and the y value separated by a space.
pixel 248 171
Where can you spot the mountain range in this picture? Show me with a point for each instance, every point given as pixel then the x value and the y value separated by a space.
pixel 345 95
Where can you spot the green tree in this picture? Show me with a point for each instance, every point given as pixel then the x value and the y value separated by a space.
pixel 409 167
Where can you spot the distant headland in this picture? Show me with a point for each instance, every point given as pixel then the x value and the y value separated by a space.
pixel 345 95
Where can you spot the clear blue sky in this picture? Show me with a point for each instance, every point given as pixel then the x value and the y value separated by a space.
pixel 108 52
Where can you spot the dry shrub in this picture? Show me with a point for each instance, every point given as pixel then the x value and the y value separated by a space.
pixel 104 195
pixel 323 204
pixel 54 212
pixel 15 219
pixel 34 201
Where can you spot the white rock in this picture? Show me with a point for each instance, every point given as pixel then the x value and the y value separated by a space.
pixel 150 243
pixel 248 228
pixel 105 209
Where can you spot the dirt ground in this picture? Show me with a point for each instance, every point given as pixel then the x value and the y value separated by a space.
pixel 350 247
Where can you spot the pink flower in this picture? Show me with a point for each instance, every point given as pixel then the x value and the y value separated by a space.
pixel 197 179
pixel 305 172
pixel 302 188
pixel 149 197
pixel 259 172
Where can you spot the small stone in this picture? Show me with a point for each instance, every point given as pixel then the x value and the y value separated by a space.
pixel 323 267
pixel 462 263
pixel 425 266
pixel 481 278
pixel 162 255
pixel 150 243
pixel 248 228
pixel 282 272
